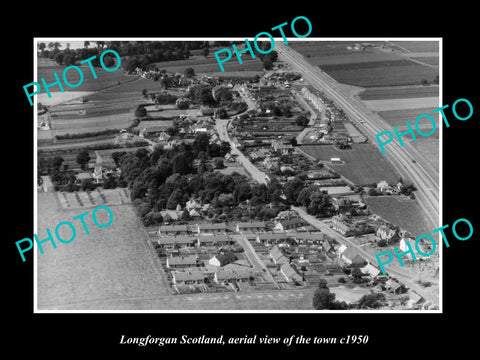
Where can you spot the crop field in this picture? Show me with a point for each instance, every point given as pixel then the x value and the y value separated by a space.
pixel 200 64
pixel 97 197
pixel 399 117
pixel 364 164
pixel 405 213
pixel 429 147
pixel 419 46
pixel 402 92
pixel 381 73
pixel 104 79
pixel 109 264
pixel 402 104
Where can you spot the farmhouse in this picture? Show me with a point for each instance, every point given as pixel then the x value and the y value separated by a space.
pixel 178 262
pixel 310 238
pixel 251 226
pixel 370 270
pixel 339 224
pixel 388 234
pixel 282 148
pixel 215 240
pixel 170 242
pixel 217 228
pixel 395 287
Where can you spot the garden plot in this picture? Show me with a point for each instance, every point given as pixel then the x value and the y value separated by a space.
pixel 97 197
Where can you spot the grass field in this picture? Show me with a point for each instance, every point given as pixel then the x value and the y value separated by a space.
pixel 419 46
pixel 108 264
pixel 402 104
pixel 405 213
pixel 364 164
pixel 403 92
pixel 399 117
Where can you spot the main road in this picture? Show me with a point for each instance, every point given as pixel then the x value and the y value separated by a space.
pixel 407 160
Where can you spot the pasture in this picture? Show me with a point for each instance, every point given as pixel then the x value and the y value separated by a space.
pixel 403 212
pixel 109 264
pixel 363 164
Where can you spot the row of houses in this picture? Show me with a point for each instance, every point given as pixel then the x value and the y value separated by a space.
pixel 209 228
pixel 173 241
pixel 205 276
pixel 193 261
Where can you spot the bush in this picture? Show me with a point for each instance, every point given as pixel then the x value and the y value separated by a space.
pixel 87 134
pixel 382 243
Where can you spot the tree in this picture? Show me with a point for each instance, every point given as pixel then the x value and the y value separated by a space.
pixel 373 192
pixel 86 44
pixel 371 301
pixel 83 157
pixel 201 142
pixel 144 92
pixel 57 162
pixel 382 243
pixel 267 64
pixel 323 299
pixel 69 59
pixel 293 141
pixel 140 112
pixel 189 72
pixel 205 51
pixel 108 61
pixel 219 164
pixel 59 58
pixel 302 120
pixel 292 189
pixel 319 204
pixel 175 198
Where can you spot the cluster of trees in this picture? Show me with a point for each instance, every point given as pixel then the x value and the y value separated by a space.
pixel 69 56
pixel 166 178
pixel 87 134
pixel 302 120
pixel 266 59
pixel 323 299
pixel 316 202
pixel 202 94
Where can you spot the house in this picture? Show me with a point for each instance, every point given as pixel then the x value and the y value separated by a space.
pixel 414 299
pixel 180 262
pixel 163 137
pixel 309 238
pixel 272 238
pixel 251 226
pixel 339 224
pixel 170 242
pixel 282 148
pixel 326 246
pixel 290 274
pixel 335 160
pixel 192 204
pixel 215 240
pixel 207 228
pixel 371 270
pixel 277 256
pixel 395 287
pixel 270 163
pixel 385 233
pixel 226 276
pixel 173 230
pixel 81 177
pixel 341 203
pixel 382 186
pixel 351 257
pixel 403 245
pixel 188 277
pixel 222 259
pixel 341 249
pixel 288 224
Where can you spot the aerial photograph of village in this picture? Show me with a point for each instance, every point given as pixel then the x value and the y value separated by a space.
pixel 259 188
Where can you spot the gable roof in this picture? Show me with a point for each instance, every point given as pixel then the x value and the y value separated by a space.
pixel 213 238
pixel 210 226
pixel 188 275
pixel 290 273
pixel 233 274
pixel 252 224
pixel 226 258
pixel 290 222
pixel 169 228
pixel 182 260
pixel 170 240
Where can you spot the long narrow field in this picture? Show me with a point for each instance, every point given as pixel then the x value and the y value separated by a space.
pixel 109 264
pixel 364 164
pixel 399 92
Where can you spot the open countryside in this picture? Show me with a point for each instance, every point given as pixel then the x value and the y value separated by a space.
pixel 255 189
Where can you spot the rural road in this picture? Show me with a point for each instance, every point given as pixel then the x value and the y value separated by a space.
pixel 392 268
pixel 422 173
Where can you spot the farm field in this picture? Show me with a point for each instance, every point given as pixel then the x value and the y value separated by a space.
pixel 97 197
pixel 400 117
pixel 108 264
pixel 399 92
pixel 364 164
pixel 401 104
pixel 418 46
pixel 405 213
pixel 429 147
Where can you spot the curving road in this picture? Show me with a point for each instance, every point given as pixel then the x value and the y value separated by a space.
pixel 423 174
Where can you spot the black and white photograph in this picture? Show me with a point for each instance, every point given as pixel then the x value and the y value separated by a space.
pixel 295 181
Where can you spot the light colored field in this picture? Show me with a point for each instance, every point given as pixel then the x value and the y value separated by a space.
pixel 400 117
pixel 400 92
pixel 399 104
pixel 419 46
pixel 429 147
pixel 108 264
pixel 349 295
pixel 81 125
pixel 421 54
pixel 60 97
